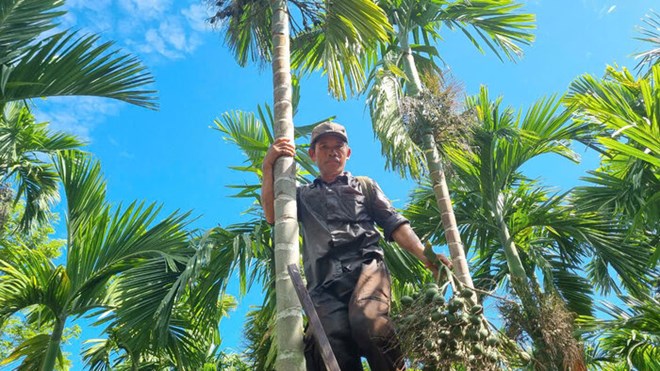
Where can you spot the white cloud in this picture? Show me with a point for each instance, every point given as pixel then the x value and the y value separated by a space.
pixel 162 28
pixel 75 115
pixel 150 29
pixel 170 39
pixel 97 6
pixel 174 34
pixel 145 9
pixel 156 44
pixel 197 16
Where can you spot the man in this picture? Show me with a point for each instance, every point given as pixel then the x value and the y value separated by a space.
pixel 346 275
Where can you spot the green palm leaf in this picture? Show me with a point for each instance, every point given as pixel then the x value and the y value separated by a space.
pixel 25 275
pixel 32 352
pixel 21 23
pixel 651 35
pixel 65 65
pixel 495 22
pixel 630 338
pixel 246 25
pixel 624 111
pixel 385 98
pixel 343 44
pixel 622 105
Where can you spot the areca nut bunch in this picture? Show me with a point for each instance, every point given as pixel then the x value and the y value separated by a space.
pixel 437 334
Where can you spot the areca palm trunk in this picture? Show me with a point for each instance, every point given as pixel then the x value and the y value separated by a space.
pixel 516 269
pixel 443 200
pixel 288 319
pixel 437 174
pixel 522 288
pixel 54 345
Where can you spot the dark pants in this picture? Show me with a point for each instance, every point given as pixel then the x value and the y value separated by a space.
pixel 354 311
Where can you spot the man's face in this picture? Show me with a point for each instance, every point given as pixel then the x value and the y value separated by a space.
pixel 330 154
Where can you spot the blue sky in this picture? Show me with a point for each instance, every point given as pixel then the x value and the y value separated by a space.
pixel 173 157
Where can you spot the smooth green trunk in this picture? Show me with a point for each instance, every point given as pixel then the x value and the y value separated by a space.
pixel 518 275
pixel 288 320
pixel 409 67
pixel 437 174
pixel 54 345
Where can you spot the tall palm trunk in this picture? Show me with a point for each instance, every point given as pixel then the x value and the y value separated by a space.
pixel 288 319
pixel 437 175
pixel 515 265
pixel 54 345
pixel 5 205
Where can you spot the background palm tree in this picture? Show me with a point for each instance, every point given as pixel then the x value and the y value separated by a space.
pixel 408 113
pixel 541 241
pixel 24 146
pixel 629 339
pixel 18 329
pixel 196 348
pixel 626 187
pixel 37 65
pixel 123 247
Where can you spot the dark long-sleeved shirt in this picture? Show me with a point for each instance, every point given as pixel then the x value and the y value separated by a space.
pixel 338 227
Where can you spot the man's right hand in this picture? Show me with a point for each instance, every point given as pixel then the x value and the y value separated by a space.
pixel 281 147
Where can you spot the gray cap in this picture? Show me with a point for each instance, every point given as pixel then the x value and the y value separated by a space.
pixel 328 128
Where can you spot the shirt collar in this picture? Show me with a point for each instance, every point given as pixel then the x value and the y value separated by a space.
pixel 344 178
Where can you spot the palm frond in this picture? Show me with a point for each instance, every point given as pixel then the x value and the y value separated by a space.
pixel 97 352
pixel 496 23
pixel 247 29
pixel 65 65
pixel 38 182
pixel 342 44
pixel 631 336
pixel 32 352
pixel 402 154
pixel 23 143
pixel 649 33
pixel 25 275
pixel 624 107
pixel 21 23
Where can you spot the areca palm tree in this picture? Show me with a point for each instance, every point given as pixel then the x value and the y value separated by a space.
pixel 520 230
pixel 23 146
pixel 34 65
pixel 248 27
pixel 248 247
pixel 622 110
pixel 408 135
pixel 124 350
pixel 113 257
